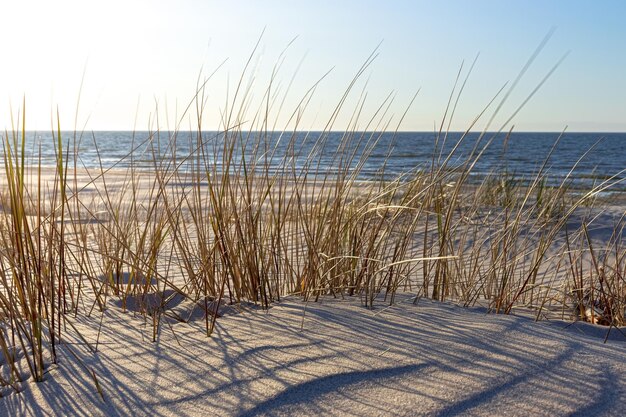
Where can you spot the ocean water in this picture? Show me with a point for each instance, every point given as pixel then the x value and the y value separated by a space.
pixel 595 156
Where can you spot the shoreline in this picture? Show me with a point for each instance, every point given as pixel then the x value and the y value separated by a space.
pixel 182 275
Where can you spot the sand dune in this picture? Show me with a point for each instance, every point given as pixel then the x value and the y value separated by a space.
pixel 335 358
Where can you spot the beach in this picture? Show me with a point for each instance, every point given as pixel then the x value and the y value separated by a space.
pixel 190 294
pixel 271 208
pixel 333 357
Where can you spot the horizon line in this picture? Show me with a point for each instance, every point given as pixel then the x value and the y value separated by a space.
pixel 323 131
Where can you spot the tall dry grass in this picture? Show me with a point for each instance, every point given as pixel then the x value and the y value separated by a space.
pixel 238 219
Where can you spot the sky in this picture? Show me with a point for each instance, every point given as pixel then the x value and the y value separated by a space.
pixel 137 64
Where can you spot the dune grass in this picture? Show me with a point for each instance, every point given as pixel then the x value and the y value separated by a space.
pixel 237 220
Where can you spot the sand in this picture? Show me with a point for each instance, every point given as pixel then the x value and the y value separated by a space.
pixel 334 357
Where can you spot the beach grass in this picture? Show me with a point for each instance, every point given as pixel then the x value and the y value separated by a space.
pixel 236 221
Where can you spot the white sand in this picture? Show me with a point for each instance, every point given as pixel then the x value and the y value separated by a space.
pixel 339 359
pixel 429 359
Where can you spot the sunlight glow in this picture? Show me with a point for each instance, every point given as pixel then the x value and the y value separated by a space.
pixel 151 52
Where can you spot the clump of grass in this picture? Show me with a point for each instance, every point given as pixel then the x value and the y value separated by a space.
pixel 33 273
pixel 244 216
pixel 599 294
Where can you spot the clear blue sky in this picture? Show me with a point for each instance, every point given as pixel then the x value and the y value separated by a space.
pixel 139 54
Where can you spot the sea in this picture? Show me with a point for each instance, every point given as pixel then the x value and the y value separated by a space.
pixel 583 159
